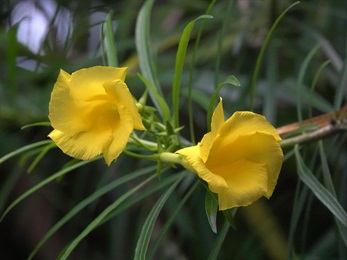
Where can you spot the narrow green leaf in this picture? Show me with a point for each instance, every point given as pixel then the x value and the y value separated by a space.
pixel 87 201
pixel 24 149
pixel 262 51
pixel 144 193
pixel 45 123
pixel 211 209
pixel 219 241
pixel 180 56
pixel 38 158
pixel 143 48
pixel 191 69
pixel 342 85
pixel 164 229
pixel 328 182
pixel 110 44
pixel 319 190
pixel 67 251
pixel 43 183
pixel 229 213
pixel 299 85
pixel 163 107
pixel 146 232
pixel 315 80
pixel 232 80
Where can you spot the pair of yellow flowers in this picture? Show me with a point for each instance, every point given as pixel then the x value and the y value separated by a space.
pixel 93 112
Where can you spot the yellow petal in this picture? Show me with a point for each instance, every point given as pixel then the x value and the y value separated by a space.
pixel 119 91
pixel 191 154
pixel 120 136
pixel 84 146
pixel 216 124
pixel 246 180
pixel 64 113
pixel 245 123
pixel 259 148
pixel 87 83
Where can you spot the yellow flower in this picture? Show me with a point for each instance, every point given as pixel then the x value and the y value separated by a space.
pixel 93 112
pixel 240 158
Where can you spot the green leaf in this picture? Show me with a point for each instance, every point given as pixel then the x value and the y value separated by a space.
pixel 110 44
pixel 45 123
pixel 329 201
pixel 38 158
pixel 211 208
pixel 24 149
pixel 146 232
pixel 180 56
pixel 87 201
pixel 341 88
pixel 219 241
pixel 163 107
pixel 43 183
pixel 328 182
pixel 164 229
pixel 262 51
pixel 299 85
pixel 67 251
pixel 232 80
pixel 143 48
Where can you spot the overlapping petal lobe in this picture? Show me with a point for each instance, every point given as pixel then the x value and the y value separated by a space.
pixel 64 112
pixel 120 135
pixel 192 155
pixel 120 92
pixel 216 124
pixel 247 182
pixel 258 147
pixel 85 145
pixel 85 84
pixel 245 123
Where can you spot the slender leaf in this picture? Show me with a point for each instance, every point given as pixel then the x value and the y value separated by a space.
pixel 110 44
pixel 232 80
pixel 211 208
pixel 45 123
pixel 165 111
pixel 145 236
pixel 180 56
pixel 87 201
pixel 191 69
pixel 299 85
pixel 43 183
pixel 219 242
pixel 143 47
pixel 261 54
pixel 67 251
pixel 169 221
pixel 341 88
pixel 24 149
pixel 319 190
pixel 328 182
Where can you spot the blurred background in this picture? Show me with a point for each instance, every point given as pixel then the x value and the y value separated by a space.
pixel 40 37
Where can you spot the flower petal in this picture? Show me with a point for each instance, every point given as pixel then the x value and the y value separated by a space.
pixel 246 123
pixel 119 91
pixel 247 182
pixel 120 136
pixel 84 146
pixel 259 148
pixel 216 124
pixel 85 84
pixel 64 112
pixel 192 155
